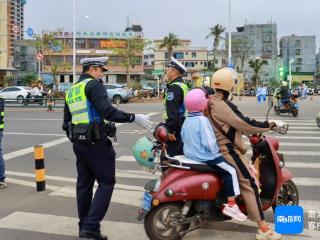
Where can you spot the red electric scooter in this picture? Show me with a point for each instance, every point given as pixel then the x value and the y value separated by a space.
pixel 189 193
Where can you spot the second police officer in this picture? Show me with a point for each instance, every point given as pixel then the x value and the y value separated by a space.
pixel 174 109
pixel 86 108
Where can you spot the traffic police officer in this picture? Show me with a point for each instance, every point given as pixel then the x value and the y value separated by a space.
pixel 86 108
pixel 174 110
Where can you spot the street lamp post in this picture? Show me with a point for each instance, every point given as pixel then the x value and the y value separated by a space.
pixel 290 76
pixel 229 35
pixel 74 43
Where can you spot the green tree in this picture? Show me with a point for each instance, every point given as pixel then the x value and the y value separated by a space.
pixel 131 55
pixel 240 51
pixel 215 32
pixel 47 43
pixel 29 78
pixel 8 80
pixel 256 66
pixel 170 42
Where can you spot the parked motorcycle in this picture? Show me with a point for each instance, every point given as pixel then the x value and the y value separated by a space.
pixel 189 193
pixel 318 119
pixel 292 107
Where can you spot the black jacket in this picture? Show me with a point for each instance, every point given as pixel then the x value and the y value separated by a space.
pixel 96 93
pixel 284 93
pixel 175 120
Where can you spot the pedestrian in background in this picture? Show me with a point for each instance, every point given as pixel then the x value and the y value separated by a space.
pixel 258 94
pixel 263 93
pixel 3 183
pixel 304 92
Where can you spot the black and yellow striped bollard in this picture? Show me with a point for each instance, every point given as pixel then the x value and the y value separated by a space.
pixel 39 168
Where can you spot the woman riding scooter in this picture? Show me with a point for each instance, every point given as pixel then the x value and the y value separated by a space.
pixel 229 124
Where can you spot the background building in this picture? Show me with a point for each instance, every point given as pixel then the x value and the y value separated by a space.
pixel 262 39
pixel 195 59
pixel 24 59
pixel 253 41
pixel 318 66
pixel 11 28
pixel 95 44
pixel 302 49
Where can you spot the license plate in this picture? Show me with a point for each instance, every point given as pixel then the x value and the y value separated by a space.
pixel 146 202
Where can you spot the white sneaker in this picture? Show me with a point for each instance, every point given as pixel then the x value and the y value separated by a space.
pixel 3 185
pixel 268 235
pixel 234 212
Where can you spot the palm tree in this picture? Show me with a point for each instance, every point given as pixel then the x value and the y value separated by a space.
pixel 169 42
pixel 215 33
pixel 256 66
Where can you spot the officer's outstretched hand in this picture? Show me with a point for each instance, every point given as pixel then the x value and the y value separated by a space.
pixel 143 121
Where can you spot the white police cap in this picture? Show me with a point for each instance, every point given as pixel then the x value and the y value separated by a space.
pixel 177 65
pixel 95 62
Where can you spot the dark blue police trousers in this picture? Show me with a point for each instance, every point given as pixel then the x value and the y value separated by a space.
pixel 94 162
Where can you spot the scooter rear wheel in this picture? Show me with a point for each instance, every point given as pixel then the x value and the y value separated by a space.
pixel 295 112
pixel 318 122
pixel 288 195
pixel 158 223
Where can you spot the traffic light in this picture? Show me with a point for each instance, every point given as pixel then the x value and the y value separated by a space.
pixel 281 71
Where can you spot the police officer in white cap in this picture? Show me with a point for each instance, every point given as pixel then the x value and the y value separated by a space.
pixel 174 109
pixel 86 108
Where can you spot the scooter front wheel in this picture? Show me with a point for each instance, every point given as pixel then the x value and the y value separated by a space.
pixel 162 222
pixel 288 195
pixel 276 110
pixel 318 122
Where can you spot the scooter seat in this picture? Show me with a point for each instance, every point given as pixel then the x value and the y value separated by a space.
pixel 181 161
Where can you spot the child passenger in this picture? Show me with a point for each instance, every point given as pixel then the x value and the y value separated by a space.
pixel 200 145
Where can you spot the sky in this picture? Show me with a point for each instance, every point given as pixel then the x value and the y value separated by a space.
pixel 188 19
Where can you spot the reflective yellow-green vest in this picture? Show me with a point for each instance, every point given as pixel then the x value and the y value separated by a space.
pixel 182 108
pixel 81 109
pixel 1 120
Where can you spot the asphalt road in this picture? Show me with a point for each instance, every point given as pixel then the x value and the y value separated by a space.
pixel 26 214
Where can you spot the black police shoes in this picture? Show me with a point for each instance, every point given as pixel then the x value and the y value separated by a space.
pixel 96 235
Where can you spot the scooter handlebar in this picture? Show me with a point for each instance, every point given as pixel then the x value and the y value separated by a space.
pixel 281 127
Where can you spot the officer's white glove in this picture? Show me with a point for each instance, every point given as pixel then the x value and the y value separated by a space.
pixel 143 121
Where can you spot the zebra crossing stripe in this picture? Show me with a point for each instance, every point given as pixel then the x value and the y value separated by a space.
pixel 300 181
pixel 67 226
pixel 294 144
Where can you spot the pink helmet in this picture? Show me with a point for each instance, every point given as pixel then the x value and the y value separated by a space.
pixel 196 100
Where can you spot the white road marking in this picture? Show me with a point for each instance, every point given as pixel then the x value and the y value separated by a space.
pixel 61 225
pixel 289 120
pixel 298 137
pixel 67 226
pixel 309 128
pixel 34 119
pixel 304 132
pixel 295 153
pixel 65 179
pixel 294 144
pixel 300 181
pixel 28 150
pixel 35 134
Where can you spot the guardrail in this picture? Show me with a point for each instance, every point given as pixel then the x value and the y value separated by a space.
pixel 35 102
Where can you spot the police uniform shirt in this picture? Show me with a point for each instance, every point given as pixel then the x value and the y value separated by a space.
pixel 174 101
pixel 96 93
